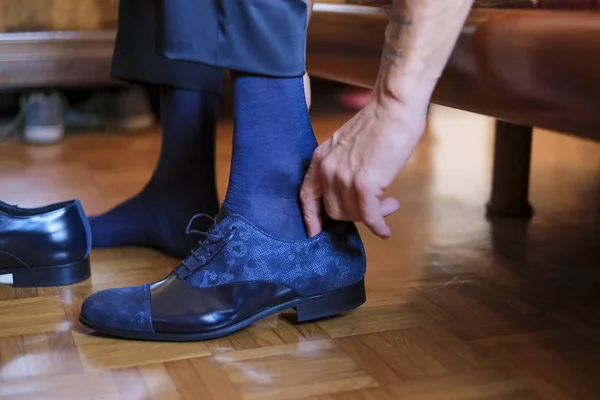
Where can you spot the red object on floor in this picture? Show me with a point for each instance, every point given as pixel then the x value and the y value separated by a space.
pixel 355 98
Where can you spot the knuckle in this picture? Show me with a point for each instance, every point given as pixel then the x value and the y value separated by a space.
pixel 329 168
pixel 345 179
pixel 362 184
pixel 305 195
pixel 368 218
pixel 369 221
pixel 321 150
pixel 331 207
pixel 336 215
pixel 317 154
pixel 338 138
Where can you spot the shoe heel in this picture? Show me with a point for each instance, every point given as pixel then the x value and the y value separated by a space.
pixel 333 303
pixel 53 276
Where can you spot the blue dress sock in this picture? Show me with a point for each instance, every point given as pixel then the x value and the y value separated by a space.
pixel 273 144
pixel 183 183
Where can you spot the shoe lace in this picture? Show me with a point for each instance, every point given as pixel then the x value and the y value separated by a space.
pixel 210 238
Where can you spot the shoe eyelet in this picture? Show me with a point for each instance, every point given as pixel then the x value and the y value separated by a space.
pixel 232 231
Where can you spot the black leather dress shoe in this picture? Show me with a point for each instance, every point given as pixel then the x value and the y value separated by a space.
pixel 45 246
pixel 236 276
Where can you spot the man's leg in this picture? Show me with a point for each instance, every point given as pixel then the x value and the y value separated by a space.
pixel 256 259
pixel 266 173
pixel 272 146
pixel 183 183
pixel 273 138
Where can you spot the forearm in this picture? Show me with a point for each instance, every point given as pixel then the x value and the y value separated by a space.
pixel 418 41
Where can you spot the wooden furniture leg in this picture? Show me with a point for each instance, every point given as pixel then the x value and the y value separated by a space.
pixel 510 182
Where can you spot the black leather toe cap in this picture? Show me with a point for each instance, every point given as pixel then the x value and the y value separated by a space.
pixel 178 307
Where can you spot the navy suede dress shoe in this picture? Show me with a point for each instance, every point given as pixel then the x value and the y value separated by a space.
pixel 46 246
pixel 237 275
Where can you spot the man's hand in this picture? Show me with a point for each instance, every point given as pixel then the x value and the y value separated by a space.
pixel 351 170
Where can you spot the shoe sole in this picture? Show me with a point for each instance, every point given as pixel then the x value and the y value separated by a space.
pixel 316 307
pixel 136 123
pixel 56 275
pixel 34 134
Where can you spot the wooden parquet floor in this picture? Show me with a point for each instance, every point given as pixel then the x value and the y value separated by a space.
pixel 459 307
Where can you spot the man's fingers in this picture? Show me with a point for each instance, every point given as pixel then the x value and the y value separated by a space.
pixel 310 198
pixel 311 209
pixel 389 206
pixel 371 216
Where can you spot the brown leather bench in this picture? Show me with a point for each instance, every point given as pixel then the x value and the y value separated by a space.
pixel 52 43
pixel 524 67
pixel 55 58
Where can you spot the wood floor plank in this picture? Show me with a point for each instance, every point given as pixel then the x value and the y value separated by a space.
pixel 43 354
pixel 99 352
pixel 412 354
pixel 386 368
pixel 215 379
pixel 488 384
pixel 130 383
pixel 243 340
pixel 31 315
pixel 186 380
pixel 220 345
pixel 286 326
pixel 12 358
pixel 95 385
pixel 24 293
pixel 375 318
pixel 311 331
pixel 293 371
pixel 363 394
pixel 553 361
pixel 72 297
pixel 47 291
pixel 288 330
pixel 7 292
pixel 158 382
pixel 264 335
pixel 65 356
pixel 38 355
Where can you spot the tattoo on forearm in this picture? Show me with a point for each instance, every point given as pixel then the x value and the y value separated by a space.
pixel 391 55
pixel 399 25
